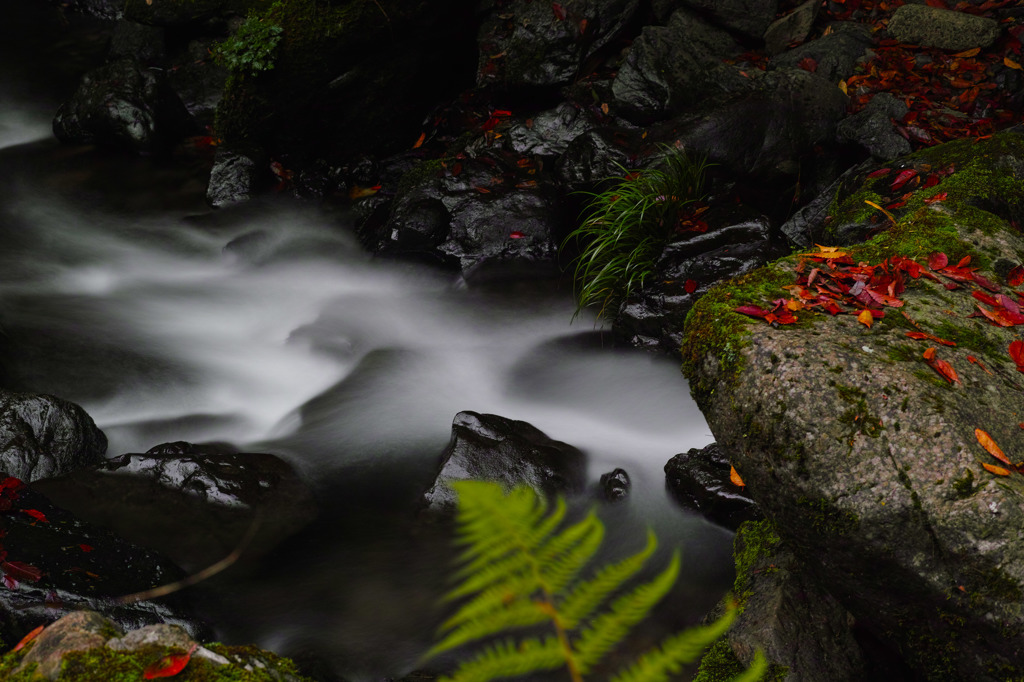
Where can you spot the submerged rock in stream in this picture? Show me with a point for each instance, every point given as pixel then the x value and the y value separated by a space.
pixel 43 436
pixel 699 480
pixel 492 448
pixel 194 503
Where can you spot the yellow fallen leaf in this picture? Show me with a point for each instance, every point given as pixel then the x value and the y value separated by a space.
pixel 973 52
pixel 990 445
pixel 842 86
pixel 1012 64
pixel 998 471
pixel 887 214
pixel 866 318
pixel 734 476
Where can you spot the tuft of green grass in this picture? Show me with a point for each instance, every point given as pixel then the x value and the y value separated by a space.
pixel 625 228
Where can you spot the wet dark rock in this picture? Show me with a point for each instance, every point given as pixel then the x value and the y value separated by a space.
pixel 42 436
pixel 171 13
pixel 78 565
pixel 101 9
pixel 237 175
pixel 492 448
pixel 132 40
pixel 672 67
pixel 124 106
pixel 615 485
pixel 791 28
pixel 193 503
pixel 550 132
pixel 486 216
pixel 835 55
pixel 596 155
pixel 785 614
pixel 945 29
pixel 874 127
pixel 807 225
pixel 198 80
pixel 653 318
pixel 698 479
pixel 764 132
pixel 748 17
pixel 525 43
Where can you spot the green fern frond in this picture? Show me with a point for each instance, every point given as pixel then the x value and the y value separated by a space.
pixel 510 658
pixel 565 555
pixel 587 597
pixel 668 658
pixel 519 614
pixel 758 667
pixel 608 629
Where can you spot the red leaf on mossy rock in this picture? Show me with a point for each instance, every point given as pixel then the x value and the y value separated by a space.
pixel 937 261
pixel 1017 354
pixel 1015 277
pixel 28 638
pixel 169 665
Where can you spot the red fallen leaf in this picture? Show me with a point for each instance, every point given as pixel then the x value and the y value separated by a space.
pixel 559 11
pixel 170 665
pixel 964 262
pixel 941 196
pixel 1015 277
pixel 986 283
pixel 879 173
pixel 998 471
pixel 583 29
pixel 903 178
pixel 28 638
pixel 35 514
pixel 937 261
pixel 808 64
pixel 482 190
pixel 1002 317
pixel 10 486
pixel 979 363
pixel 690 286
pixel 85 548
pixel 19 570
pixel 885 299
pixel 734 476
pixel 922 335
pixel 929 353
pixel 9 582
pixel 990 445
pixel 752 310
pixel 1017 353
pixel 945 370
pixel 419 141
pixel 985 298
pixel 516 235
pixel 957 274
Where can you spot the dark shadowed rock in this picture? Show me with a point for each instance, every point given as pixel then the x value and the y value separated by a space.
pixel 786 615
pixel 124 106
pixel 550 132
pixel 874 127
pixel 42 436
pixel 866 459
pixel 834 55
pixel 194 503
pixel 807 226
pixel 492 448
pixel 672 67
pixel 55 563
pixel 615 485
pixel 698 479
pixel 748 17
pixel 159 13
pixel 525 43
pixel 766 131
pixel 791 28
pixel 596 155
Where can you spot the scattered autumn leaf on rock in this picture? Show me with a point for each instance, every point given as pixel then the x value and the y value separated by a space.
pixel 169 665
pixel 979 363
pixel 990 445
pixel 998 471
pixel 943 368
pixel 690 286
pixel 866 318
pixel 1017 354
pixel 1015 277
pixel 734 476
pixel 28 638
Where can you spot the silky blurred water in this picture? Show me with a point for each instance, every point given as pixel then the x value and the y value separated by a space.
pixel 267 327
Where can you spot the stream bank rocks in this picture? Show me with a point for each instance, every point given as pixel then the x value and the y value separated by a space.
pixel 863 455
pixel 84 646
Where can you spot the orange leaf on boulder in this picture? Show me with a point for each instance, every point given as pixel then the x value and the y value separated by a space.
pixel 734 476
pixel 990 445
pixel 998 471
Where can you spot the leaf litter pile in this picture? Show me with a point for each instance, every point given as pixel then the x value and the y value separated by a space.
pixel 829 281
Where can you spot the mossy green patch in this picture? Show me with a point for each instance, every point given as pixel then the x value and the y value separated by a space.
pixel 714 329
pixel 825 518
pixel 858 418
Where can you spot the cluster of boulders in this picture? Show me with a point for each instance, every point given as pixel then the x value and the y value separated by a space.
pixel 463 133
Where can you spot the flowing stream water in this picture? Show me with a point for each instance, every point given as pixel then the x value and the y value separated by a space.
pixel 267 327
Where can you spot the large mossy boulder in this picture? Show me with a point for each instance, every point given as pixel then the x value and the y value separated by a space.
pixel 855 439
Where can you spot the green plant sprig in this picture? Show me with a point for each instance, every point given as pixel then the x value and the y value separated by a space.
pixel 252 47
pixel 626 227
pixel 520 569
